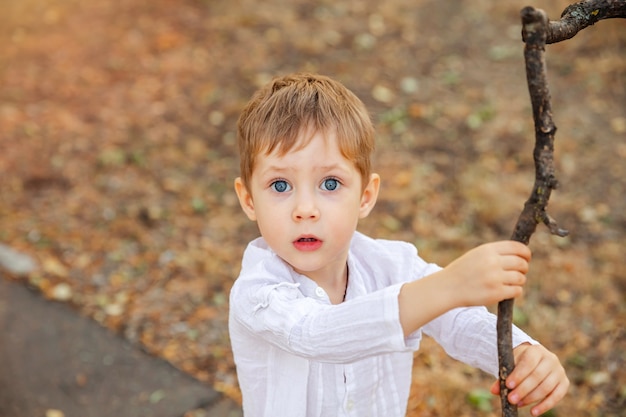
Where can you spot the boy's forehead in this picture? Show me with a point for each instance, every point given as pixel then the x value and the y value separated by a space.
pixel 319 149
pixel 303 139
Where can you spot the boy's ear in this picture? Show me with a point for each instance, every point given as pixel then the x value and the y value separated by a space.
pixel 369 196
pixel 245 199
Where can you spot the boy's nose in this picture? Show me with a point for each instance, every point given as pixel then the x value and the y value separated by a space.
pixel 304 210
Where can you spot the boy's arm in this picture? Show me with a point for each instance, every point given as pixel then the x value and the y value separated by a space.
pixel 470 335
pixel 484 275
pixel 282 316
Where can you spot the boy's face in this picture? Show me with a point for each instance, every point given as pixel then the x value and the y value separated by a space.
pixel 307 204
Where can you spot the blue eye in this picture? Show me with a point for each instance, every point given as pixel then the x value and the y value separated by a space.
pixel 330 184
pixel 280 186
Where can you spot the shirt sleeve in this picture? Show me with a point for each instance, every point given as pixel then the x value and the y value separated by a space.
pixel 470 335
pixel 343 333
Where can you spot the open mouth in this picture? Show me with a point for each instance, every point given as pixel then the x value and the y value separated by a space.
pixel 307 243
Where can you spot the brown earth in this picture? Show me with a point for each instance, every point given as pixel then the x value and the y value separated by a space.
pixel 117 157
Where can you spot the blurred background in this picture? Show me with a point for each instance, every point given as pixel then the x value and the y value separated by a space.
pixel 117 157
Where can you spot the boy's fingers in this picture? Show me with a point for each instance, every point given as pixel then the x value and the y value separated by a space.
pixel 511 247
pixel 539 378
pixel 495 388
pixel 515 263
pixel 525 365
pixel 551 400
pixel 542 391
pixel 515 278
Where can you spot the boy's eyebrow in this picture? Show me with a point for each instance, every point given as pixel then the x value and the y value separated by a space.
pixel 319 168
pixel 273 168
pixel 332 167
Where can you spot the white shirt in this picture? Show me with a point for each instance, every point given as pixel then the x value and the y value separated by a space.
pixel 299 355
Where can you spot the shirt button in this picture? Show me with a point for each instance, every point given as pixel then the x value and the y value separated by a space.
pixel 319 291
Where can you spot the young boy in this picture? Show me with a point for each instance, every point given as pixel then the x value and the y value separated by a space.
pixel 324 320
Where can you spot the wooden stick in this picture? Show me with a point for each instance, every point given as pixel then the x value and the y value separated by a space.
pixel 534 29
pixel 537 31
pixel 580 15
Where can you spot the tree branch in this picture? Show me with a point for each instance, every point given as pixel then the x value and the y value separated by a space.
pixel 583 14
pixel 534 32
pixel 537 31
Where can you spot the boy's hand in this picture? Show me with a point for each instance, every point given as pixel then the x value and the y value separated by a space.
pixel 485 275
pixel 490 273
pixel 538 378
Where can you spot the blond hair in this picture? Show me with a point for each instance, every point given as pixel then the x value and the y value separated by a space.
pixel 278 113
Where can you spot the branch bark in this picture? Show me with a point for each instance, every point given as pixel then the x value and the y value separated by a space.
pixel 534 32
pixel 583 14
pixel 537 31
